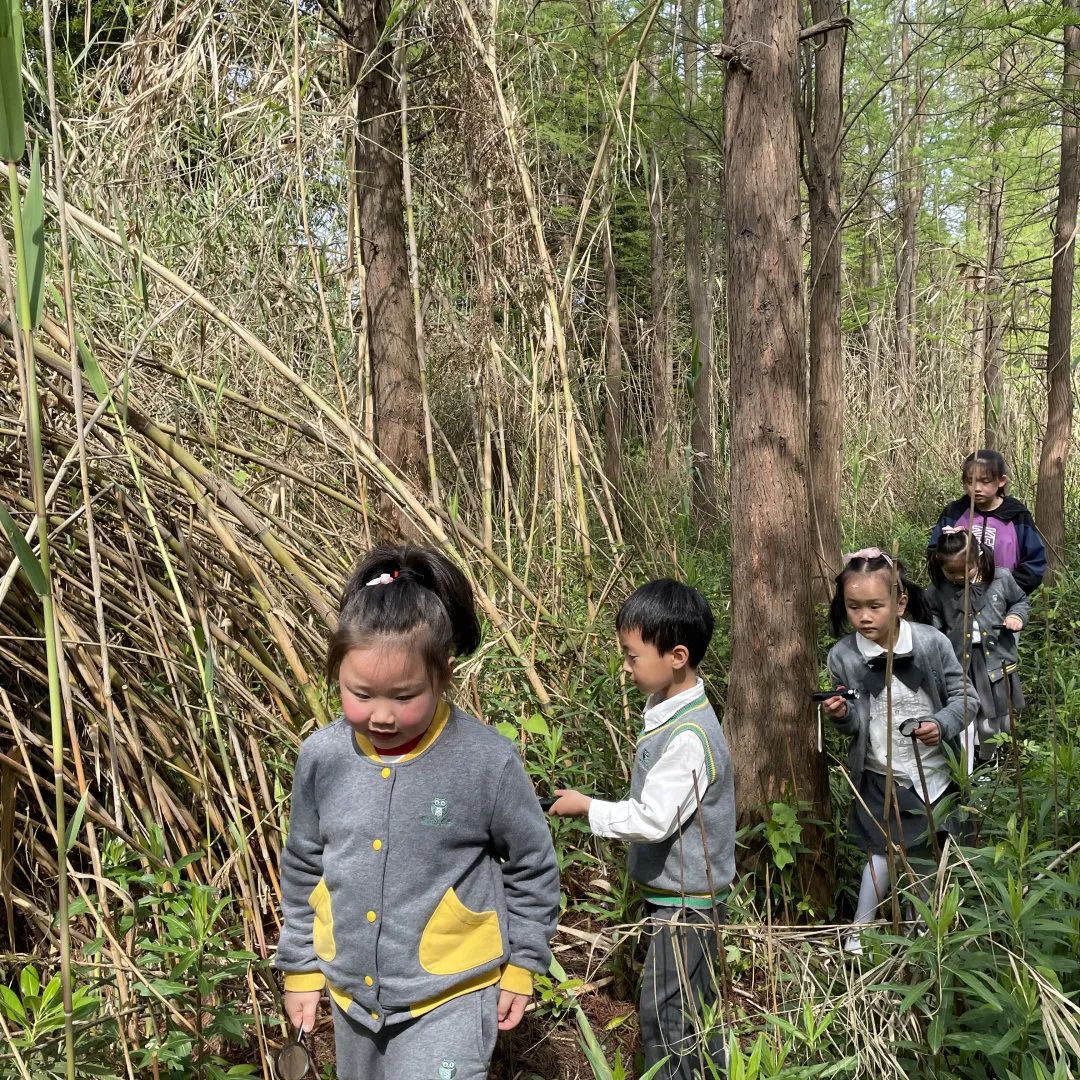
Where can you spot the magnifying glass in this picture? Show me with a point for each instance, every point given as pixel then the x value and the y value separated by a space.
pixel 292 1061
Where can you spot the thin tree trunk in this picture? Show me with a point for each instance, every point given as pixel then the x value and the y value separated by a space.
pixel 993 359
pixel 613 398
pixel 662 437
pixel 1050 501
pixel 873 318
pixel 769 721
pixel 703 425
pixel 398 410
pixel 908 198
pixel 973 282
pixel 826 357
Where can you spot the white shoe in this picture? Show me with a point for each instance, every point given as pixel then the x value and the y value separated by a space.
pixel 853 944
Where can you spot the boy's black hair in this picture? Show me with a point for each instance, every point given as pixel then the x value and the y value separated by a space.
pixel 917 607
pixel 667 613
pixel 955 543
pixel 427 599
pixel 990 460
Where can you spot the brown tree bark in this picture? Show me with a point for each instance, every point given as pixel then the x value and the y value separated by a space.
pixel 398 409
pixel 662 436
pixel 613 398
pixel 1050 500
pixel 769 721
pixel 872 277
pixel 822 132
pixel 703 425
pixel 993 356
pixel 908 201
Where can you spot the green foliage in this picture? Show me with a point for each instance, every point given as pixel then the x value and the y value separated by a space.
pixel 184 937
pixel 12 128
pixel 783 833
pixel 33 226
pixel 28 561
pixel 34 1014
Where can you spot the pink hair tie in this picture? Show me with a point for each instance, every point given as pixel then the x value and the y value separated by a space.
pixel 868 553
pixel 949 530
pixel 382 579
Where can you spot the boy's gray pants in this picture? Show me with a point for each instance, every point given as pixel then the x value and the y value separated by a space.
pixel 452 1042
pixel 679 976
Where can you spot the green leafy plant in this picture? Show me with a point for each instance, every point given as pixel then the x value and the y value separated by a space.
pixel 34 1015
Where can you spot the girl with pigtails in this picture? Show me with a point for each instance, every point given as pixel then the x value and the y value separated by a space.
pixel 909 725
pixel 981 608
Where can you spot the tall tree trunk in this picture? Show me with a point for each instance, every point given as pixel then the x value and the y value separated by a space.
pixel 399 418
pixel 613 398
pixel 703 426
pixel 908 199
pixel 822 145
pixel 1050 501
pixel 662 436
pixel 769 720
pixel 873 318
pixel 993 358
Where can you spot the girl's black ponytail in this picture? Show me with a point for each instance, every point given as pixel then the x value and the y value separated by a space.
pixel 407 591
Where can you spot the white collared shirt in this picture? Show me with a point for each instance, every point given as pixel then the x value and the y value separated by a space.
pixel 907 704
pixel 668 796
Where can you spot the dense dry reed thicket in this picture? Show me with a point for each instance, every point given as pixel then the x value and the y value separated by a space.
pixel 207 500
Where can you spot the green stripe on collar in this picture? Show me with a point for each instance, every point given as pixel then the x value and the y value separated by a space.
pixel 678 714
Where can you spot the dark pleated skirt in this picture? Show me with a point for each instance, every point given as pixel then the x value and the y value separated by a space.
pixel 907 829
pixel 998 687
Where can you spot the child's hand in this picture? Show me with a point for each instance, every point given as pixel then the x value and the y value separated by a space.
pixel 570 804
pixel 301 1006
pixel 836 707
pixel 928 733
pixel 511 1009
pixel 1013 623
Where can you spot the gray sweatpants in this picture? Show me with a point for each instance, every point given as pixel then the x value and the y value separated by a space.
pixel 678 979
pixel 453 1042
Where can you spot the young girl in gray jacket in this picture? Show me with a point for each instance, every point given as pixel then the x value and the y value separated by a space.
pixel 419 883
pixel 983 633
pixel 897 757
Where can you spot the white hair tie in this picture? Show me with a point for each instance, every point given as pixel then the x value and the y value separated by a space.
pixel 382 579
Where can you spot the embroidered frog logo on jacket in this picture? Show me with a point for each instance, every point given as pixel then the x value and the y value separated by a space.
pixel 438 814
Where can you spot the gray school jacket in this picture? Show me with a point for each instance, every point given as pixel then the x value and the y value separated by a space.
pixel 988 605
pixel 408 883
pixel 951 692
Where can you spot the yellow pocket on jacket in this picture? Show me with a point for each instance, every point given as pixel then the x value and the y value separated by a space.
pixel 457 939
pixel 323 932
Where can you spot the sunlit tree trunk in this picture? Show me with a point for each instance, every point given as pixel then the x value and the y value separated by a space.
pixel 703 426
pixel 824 121
pixel 1050 502
pixel 908 200
pixel 993 358
pixel 662 437
pixel 769 721
pixel 398 407
pixel 613 398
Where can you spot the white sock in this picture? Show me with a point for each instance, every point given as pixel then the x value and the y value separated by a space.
pixel 872 890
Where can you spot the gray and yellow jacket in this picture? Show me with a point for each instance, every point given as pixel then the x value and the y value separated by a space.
pixel 409 882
